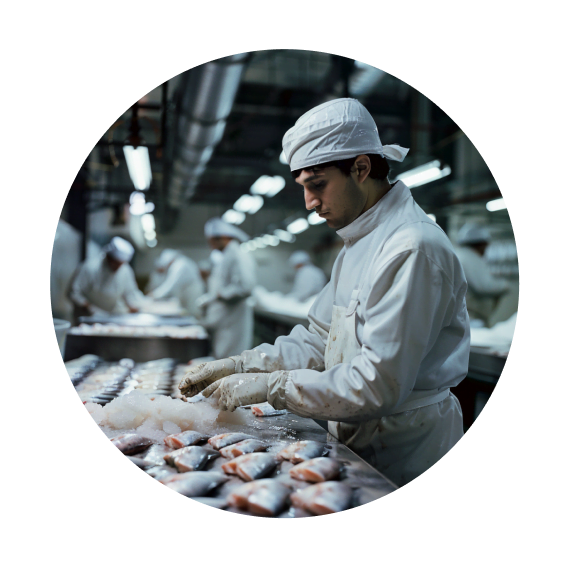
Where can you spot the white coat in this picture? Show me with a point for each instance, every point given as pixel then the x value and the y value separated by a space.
pixel 483 287
pixel 309 281
pixel 411 343
pixel 230 317
pixel 182 281
pixel 104 289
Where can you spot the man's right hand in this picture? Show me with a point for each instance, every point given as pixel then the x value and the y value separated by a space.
pixel 198 378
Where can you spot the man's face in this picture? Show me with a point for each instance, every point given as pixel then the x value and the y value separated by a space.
pixel 333 196
pixel 114 264
pixel 219 242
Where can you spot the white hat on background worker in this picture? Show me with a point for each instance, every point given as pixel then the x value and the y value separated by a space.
pixel 165 258
pixel 120 250
pixel 339 129
pixel 299 258
pixel 215 227
pixel 472 233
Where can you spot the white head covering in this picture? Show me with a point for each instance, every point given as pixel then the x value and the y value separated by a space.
pixel 472 233
pixel 299 258
pixel 166 257
pixel 215 227
pixel 120 249
pixel 339 129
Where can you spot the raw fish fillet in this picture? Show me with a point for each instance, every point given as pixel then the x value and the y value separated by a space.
pixel 302 451
pixel 243 447
pixel 192 458
pixel 265 497
pixel 222 440
pixel 316 470
pixel 184 439
pixel 131 443
pixel 323 498
pixel 266 410
pixel 195 483
pixel 251 466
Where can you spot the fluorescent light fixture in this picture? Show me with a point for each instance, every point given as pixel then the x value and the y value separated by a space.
pixel 252 245
pixel 138 162
pixel 248 204
pixel 259 242
pixel 298 226
pixel 284 235
pixel 148 222
pixel 315 219
pixel 497 204
pixel 424 174
pixel 283 160
pixel 234 217
pixel 151 243
pixel 268 186
pixel 432 216
pixel 150 234
pixel 138 204
pixel 271 240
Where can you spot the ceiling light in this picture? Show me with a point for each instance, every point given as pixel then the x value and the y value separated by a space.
pixel 298 226
pixel 283 160
pixel 138 204
pixel 268 186
pixel 424 174
pixel 497 204
pixel 271 240
pixel 151 243
pixel 138 162
pixel 259 243
pixel 284 235
pixel 148 222
pixel 252 245
pixel 234 217
pixel 315 219
pixel 248 204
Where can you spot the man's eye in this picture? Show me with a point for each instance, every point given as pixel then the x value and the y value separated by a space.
pixel 319 185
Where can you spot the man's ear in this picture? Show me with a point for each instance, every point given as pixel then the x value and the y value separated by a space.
pixel 362 168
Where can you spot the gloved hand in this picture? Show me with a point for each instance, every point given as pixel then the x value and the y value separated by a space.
pixel 201 376
pixel 239 390
pixel 204 300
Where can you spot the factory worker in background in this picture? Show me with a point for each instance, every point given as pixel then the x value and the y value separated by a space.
pixel 182 280
pixel 107 283
pixel 389 335
pixel 309 279
pixel 229 313
pixel 484 290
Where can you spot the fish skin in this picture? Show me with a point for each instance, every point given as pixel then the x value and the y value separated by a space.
pixel 190 458
pixel 301 451
pixel 194 483
pixel 160 472
pixel 243 447
pixel 211 501
pixel 264 497
pixel 316 470
pixel 223 440
pixel 130 444
pixel 251 466
pixel 323 498
pixel 185 439
pixel 139 462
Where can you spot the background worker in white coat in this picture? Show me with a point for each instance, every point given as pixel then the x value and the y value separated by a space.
pixel 484 290
pixel 390 332
pixel 229 314
pixel 182 280
pixel 107 283
pixel 309 280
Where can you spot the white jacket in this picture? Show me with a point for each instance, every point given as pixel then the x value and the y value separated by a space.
pixel 309 281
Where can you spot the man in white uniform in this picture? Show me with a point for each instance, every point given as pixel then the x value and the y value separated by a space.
pixel 389 335
pixel 309 279
pixel 182 280
pixel 107 283
pixel 484 290
pixel 229 314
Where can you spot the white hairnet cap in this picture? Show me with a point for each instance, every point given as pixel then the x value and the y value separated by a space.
pixel 339 129
pixel 299 258
pixel 120 249
pixel 166 257
pixel 215 227
pixel 473 233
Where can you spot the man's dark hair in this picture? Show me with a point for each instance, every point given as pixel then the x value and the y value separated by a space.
pixel 379 167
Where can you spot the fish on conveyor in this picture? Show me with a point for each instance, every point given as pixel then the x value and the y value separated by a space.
pixel 323 498
pixel 222 440
pixel 194 483
pixel 142 463
pixel 301 451
pixel 160 472
pixel 251 466
pixel 265 497
pixel 131 443
pixel 191 458
pixel 317 470
pixel 184 439
pixel 243 447
pixel 211 501
pixel 266 410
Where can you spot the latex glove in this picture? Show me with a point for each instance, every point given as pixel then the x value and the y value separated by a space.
pixel 239 390
pixel 201 376
pixel 204 300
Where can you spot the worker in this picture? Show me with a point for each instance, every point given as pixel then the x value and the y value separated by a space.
pixel 229 314
pixel 389 334
pixel 484 290
pixel 182 280
pixel 107 283
pixel 309 279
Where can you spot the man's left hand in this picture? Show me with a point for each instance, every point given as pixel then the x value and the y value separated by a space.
pixel 239 390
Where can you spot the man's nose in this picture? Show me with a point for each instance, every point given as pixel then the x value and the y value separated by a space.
pixel 311 201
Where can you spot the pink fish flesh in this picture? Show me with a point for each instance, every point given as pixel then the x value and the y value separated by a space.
pixel 222 440
pixel 184 439
pixel 265 497
pixel 251 466
pixel 323 498
pixel 266 410
pixel 302 451
pixel 316 470
pixel 131 443
pixel 243 447
pixel 194 483
pixel 191 458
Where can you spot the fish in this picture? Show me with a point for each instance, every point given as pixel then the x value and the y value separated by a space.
pixel 131 443
pixel 266 410
pixel 159 472
pixel 265 497
pixel 222 440
pixel 194 483
pixel 184 439
pixel 142 463
pixel 243 447
pixel 251 466
pixel 211 501
pixel 323 498
pixel 191 458
pixel 317 470
pixel 302 451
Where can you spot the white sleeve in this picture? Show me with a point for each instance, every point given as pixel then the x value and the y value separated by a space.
pixel 242 280
pixel 165 289
pixel 79 286
pixel 133 296
pixel 410 302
